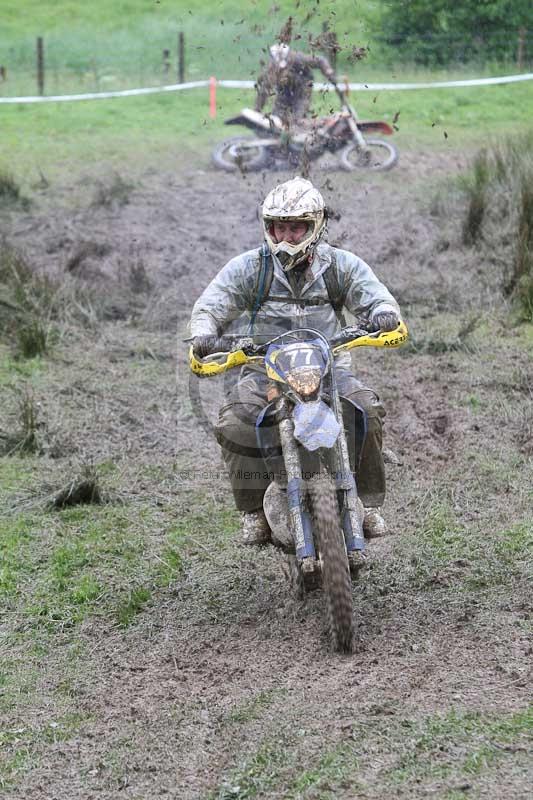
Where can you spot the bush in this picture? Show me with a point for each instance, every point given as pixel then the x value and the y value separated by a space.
pixel 443 31
pixel 10 194
pixel 476 188
pixel 523 266
pixel 499 191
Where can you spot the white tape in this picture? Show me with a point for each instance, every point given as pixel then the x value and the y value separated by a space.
pixel 372 87
pixel 177 87
pixel 61 98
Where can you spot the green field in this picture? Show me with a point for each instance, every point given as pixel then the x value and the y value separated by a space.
pixel 130 133
pixel 101 46
pixel 98 39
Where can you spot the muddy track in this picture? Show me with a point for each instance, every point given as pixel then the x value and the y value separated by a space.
pixel 225 687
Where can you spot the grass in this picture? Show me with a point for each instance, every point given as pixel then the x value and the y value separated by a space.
pixel 83 565
pixel 523 262
pixel 447 553
pixel 136 35
pixel 73 576
pixel 132 605
pixel 26 438
pixel 33 339
pixel 12 368
pixel 10 194
pixel 254 708
pixel 19 746
pixel 445 335
pixel 53 140
pixel 16 473
pixel 476 189
pixel 101 45
pixel 129 135
pixel 437 752
pixel 67 565
pixel 28 305
pixel 259 774
pixel 478 740
pixel 500 207
pixel 97 47
pixel 114 192
pixel 37 310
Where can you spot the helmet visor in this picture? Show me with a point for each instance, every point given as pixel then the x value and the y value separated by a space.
pixel 295 251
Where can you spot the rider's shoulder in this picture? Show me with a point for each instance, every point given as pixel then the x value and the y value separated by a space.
pixel 242 267
pixel 249 258
pixel 325 251
pixel 342 256
pixel 330 252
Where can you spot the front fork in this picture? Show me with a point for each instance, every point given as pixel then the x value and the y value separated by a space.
pixel 300 521
pixel 356 133
pixel 352 509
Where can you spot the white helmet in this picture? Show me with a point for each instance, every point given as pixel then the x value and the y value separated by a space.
pixel 279 54
pixel 296 200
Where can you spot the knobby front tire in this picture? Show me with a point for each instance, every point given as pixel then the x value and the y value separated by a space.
pixel 336 580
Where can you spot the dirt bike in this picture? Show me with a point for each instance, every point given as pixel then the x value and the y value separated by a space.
pixel 312 504
pixel 341 133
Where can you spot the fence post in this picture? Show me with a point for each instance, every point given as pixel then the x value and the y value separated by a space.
pixel 166 62
pixel 181 57
pixel 521 48
pixel 40 65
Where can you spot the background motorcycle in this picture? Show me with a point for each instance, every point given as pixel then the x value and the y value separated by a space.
pixel 312 504
pixel 341 133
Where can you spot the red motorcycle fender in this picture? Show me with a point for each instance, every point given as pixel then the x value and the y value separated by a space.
pixel 375 127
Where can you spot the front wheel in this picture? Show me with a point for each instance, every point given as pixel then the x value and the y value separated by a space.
pixel 378 156
pixel 296 578
pixel 336 581
pixel 236 154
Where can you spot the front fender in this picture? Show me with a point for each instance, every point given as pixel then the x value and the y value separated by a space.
pixel 375 127
pixel 315 425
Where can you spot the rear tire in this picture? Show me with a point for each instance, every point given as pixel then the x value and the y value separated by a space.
pixel 228 156
pixel 380 156
pixel 336 579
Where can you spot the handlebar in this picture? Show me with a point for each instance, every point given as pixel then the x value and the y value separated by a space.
pixel 238 350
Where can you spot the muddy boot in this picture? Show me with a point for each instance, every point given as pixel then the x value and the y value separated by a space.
pixel 255 529
pixel 277 514
pixel 357 561
pixel 374 525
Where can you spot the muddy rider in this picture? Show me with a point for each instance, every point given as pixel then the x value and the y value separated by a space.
pixel 288 77
pixel 311 282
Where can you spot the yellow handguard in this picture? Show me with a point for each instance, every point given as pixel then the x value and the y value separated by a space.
pixel 216 366
pixel 394 338
pixel 205 369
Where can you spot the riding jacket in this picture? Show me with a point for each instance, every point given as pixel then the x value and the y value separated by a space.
pixel 230 295
pixel 292 86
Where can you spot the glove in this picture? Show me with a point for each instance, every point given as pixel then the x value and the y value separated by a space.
pixel 385 321
pixel 204 345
